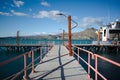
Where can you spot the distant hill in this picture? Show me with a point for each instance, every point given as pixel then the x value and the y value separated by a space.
pixel 89 33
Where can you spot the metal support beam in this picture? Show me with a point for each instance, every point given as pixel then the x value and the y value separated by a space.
pixel 98 37
pixel 25 68
pixel 63 35
pixel 17 38
pixel 69 36
pixel 33 70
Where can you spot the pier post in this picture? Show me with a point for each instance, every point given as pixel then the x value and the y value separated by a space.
pixel 96 67
pixel 63 35
pixel 69 36
pixel 88 65
pixel 33 70
pixel 17 38
pixel 98 37
pixel 40 54
pixel 78 54
pixel 25 68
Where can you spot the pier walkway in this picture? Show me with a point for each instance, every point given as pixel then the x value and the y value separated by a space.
pixel 58 65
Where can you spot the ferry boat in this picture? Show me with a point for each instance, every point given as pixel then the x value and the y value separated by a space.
pixel 110 34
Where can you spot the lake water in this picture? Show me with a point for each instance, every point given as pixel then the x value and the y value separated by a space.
pixel 109 71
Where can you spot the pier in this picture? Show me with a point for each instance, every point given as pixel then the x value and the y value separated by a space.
pixel 57 65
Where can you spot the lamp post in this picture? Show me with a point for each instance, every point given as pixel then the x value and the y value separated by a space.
pixel 69 32
pixel 98 37
pixel 69 36
pixel 63 36
pixel 17 38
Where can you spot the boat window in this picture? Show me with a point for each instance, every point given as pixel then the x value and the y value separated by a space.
pixel 104 32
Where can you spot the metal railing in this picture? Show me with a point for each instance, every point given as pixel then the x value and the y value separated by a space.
pixel 24 42
pixel 94 57
pixel 25 55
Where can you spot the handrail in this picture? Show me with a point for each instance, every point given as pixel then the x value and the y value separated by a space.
pixel 94 56
pixel 108 60
pixel 29 54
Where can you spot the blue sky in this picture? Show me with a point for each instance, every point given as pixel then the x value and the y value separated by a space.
pixel 37 17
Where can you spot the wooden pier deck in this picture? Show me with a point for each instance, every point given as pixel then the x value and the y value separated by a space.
pixel 58 65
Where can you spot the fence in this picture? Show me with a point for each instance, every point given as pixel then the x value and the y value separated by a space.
pixel 25 55
pixel 94 57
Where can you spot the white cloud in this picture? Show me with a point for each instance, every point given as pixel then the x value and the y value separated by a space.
pixel 18 3
pixel 47 14
pixel 92 20
pixel 89 21
pixel 5 14
pixel 42 14
pixel 18 13
pixel 44 3
pixel 40 33
pixel 44 33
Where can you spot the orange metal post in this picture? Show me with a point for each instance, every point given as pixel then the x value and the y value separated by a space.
pixel 29 54
pixel 78 55
pixel 48 47
pixel 41 54
pixel 88 65
pixel 25 68
pixel 69 36
pixel 98 37
pixel 96 67
pixel 17 38
pixel 63 36
pixel 46 51
pixel 33 70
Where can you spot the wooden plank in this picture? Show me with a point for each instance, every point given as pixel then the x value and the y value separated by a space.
pixel 58 65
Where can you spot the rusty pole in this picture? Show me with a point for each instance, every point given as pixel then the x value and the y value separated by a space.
pixel 88 65
pixel 78 51
pixel 40 54
pixel 17 38
pixel 63 35
pixel 25 68
pixel 98 37
pixel 96 67
pixel 69 36
pixel 33 70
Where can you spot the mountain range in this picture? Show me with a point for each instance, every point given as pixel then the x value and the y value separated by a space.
pixel 88 33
